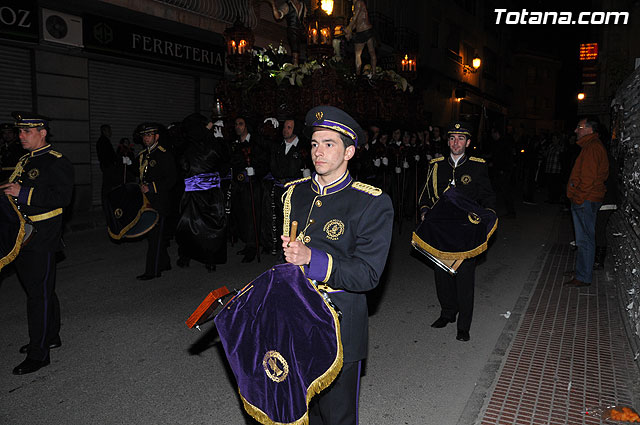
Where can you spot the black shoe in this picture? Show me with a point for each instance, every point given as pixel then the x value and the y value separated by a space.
pixel 55 344
pixel 30 365
pixel 165 268
pixel 463 335
pixel 441 322
pixel 146 277
pixel 182 263
pixel 210 267
pixel 575 283
pixel 243 251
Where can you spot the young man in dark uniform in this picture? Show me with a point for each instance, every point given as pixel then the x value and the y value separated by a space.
pixel 157 178
pixel 41 186
pixel 345 233
pixel 470 176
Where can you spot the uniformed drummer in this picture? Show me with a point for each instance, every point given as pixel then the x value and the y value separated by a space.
pixel 157 179
pixel 345 233
pixel 470 176
pixel 42 186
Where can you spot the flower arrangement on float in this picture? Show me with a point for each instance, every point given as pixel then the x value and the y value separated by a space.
pixel 271 62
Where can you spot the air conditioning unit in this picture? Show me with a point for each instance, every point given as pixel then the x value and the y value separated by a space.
pixel 61 28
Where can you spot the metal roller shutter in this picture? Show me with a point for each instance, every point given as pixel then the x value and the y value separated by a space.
pixel 16 93
pixel 125 96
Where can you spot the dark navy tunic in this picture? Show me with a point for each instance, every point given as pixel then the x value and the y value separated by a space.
pixel 348 226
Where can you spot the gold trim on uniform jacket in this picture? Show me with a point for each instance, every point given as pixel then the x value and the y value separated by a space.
pixel 45 216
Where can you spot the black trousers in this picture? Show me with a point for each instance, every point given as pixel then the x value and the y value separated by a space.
pixel 37 274
pixel 244 204
pixel 455 293
pixel 338 404
pixel 157 243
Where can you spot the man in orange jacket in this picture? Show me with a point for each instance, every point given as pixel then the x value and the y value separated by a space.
pixel 585 190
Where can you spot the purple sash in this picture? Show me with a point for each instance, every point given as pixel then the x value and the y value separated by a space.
pixel 202 182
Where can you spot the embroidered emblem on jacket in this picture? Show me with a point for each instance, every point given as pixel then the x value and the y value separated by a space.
pixel 152 163
pixel 334 229
pixel 33 173
pixel 466 179
pixel 118 212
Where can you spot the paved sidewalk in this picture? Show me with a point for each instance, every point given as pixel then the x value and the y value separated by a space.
pixel 570 355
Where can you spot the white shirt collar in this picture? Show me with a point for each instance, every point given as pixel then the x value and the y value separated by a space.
pixel 294 142
pixel 321 187
pixel 455 161
pixel 288 145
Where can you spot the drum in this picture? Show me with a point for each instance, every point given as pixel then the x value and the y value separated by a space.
pixel 128 212
pixel 282 341
pixel 454 229
pixel 15 230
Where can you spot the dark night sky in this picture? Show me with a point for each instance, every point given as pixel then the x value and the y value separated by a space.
pixel 560 42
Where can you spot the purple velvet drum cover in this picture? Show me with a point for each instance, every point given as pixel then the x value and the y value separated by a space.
pixel 282 342
pixel 455 228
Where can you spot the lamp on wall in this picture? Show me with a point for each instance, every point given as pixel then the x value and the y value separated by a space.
pixel 476 62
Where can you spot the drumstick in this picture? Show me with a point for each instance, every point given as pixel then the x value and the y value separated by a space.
pixel 294 230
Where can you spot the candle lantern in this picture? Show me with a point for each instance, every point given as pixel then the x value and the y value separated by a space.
pixel 408 66
pixel 320 34
pixel 239 40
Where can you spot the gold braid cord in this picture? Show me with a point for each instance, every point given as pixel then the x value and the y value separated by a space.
pixel 435 181
pixel 143 165
pixel 18 244
pixel 287 210
pixel 19 168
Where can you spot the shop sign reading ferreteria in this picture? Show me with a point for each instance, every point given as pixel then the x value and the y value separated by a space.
pixel 121 38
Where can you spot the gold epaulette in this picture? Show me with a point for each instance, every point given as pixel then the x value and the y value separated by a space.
pixel 434 160
pixel 55 153
pixel 139 154
pixel 295 182
pixel 367 188
pixel 476 159
pixel 161 149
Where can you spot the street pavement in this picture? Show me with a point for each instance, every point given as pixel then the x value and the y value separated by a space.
pixel 128 357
